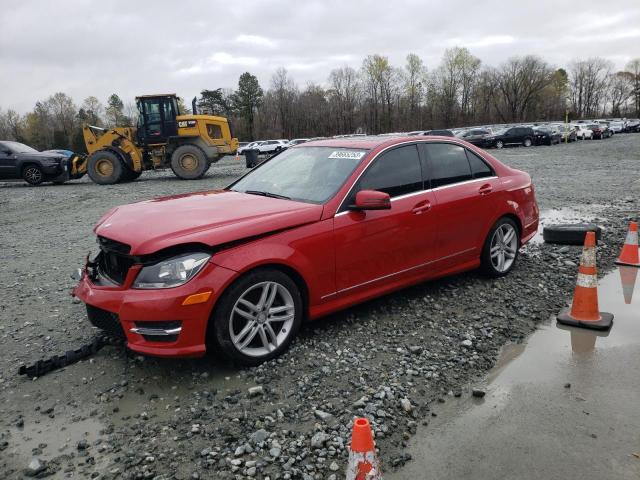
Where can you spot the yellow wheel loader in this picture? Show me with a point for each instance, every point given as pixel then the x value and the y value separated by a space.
pixel 163 138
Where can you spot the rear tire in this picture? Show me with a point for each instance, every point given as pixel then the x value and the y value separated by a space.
pixel 189 162
pixel 501 247
pixel 105 168
pixel 32 174
pixel 257 322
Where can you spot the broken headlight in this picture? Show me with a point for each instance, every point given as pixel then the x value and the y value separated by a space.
pixel 172 272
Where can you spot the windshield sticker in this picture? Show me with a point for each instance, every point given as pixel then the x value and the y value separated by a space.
pixel 347 154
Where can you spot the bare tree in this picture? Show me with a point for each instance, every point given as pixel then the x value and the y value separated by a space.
pixel 633 67
pixel 284 91
pixel 344 95
pixel 588 81
pixel 519 83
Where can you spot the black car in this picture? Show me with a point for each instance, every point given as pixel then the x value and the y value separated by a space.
pixel 547 136
pixel 476 136
pixel 511 136
pixel 21 161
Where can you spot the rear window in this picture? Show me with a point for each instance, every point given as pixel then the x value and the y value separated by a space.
pixel 479 168
pixel 447 164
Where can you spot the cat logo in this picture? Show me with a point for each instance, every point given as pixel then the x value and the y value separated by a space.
pixel 186 124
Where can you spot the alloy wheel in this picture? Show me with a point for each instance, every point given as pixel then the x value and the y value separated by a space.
pixel 504 246
pixel 262 319
pixel 33 175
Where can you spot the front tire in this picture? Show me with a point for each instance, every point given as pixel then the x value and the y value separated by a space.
pixel 189 162
pixel 500 250
pixel 105 168
pixel 33 174
pixel 527 142
pixel 257 317
pixel 499 144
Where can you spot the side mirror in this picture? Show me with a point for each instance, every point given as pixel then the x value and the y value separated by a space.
pixel 6 150
pixel 372 200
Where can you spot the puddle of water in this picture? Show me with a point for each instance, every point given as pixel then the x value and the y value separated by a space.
pixel 529 418
pixel 48 438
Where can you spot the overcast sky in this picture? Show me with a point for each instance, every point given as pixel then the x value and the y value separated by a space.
pixel 132 47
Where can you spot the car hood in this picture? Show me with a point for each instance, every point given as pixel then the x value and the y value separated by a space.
pixel 39 156
pixel 211 218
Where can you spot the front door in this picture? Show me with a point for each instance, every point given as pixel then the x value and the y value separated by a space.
pixel 381 245
pixel 7 163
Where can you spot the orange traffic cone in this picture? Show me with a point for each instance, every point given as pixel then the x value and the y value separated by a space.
pixel 584 308
pixel 363 462
pixel 628 276
pixel 629 254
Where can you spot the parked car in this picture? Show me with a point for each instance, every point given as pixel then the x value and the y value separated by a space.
pixel 546 135
pixel 297 141
pixel 617 126
pixel 272 146
pixel 65 153
pixel 633 125
pixel 311 231
pixel 440 133
pixel 18 160
pixel 511 136
pixel 598 130
pixel 476 136
pixel 583 131
pixel 567 133
pixel 248 146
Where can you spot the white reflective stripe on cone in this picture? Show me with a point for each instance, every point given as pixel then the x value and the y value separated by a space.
pixel 356 459
pixel 587 281
pixel 588 258
pixel 632 238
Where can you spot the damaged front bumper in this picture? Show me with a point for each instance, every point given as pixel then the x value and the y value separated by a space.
pixel 153 322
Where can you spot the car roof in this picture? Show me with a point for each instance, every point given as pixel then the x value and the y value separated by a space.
pixel 371 142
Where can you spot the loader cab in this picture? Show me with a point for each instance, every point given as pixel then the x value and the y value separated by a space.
pixel 156 119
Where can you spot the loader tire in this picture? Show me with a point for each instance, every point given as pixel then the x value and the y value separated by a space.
pixel 189 162
pixel 105 168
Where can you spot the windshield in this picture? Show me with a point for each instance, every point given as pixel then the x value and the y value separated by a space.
pixel 502 131
pixel 17 147
pixel 305 174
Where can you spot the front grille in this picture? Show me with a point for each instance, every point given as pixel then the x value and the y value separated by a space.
pixel 104 320
pixel 113 245
pixel 114 266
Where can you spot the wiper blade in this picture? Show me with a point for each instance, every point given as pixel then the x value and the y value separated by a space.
pixel 267 194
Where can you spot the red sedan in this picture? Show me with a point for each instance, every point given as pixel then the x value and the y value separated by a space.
pixel 319 227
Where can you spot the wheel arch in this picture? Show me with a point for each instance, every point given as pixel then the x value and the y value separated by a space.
pixel 291 272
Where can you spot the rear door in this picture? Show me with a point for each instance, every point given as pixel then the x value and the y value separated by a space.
pixel 464 187
pixel 382 245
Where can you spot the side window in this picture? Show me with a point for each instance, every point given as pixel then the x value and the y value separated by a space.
pixel 396 172
pixel 479 169
pixel 448 164
pixel 214 131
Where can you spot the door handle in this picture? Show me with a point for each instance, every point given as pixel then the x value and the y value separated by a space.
pixel 485 189
pixel 420 207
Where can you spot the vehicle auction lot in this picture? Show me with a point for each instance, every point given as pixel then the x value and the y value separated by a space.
pixel 124 416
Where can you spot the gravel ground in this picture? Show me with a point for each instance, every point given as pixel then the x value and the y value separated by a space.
pixel 118 415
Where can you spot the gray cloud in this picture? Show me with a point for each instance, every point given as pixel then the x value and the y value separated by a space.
pixel 88 48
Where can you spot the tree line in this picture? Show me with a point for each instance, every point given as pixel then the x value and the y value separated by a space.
pixel 377 97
